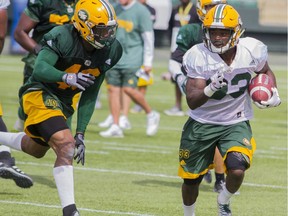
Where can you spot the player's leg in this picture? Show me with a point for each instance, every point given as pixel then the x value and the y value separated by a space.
pixel 114 80
pixel 176 110
pixel 195 158
pixel 124 122
pixel 8 168
pixel 238 136
pixel 219 171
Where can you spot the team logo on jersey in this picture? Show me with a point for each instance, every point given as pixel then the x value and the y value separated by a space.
pixel 87 62
pixel 246 142
pixel 108 61
pixel 83 15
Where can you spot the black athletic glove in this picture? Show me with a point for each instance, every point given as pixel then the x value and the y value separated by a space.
pixel 78 80
pixel 79 148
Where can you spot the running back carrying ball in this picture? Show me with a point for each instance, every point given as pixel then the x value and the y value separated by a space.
pixel 260 88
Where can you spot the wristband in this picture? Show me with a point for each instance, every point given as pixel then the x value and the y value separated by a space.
pixel 208 91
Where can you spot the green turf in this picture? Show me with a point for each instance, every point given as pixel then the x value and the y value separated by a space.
pixel 137 175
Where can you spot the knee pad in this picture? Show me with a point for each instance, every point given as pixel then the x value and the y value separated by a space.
pixel 193 181
pixel 237 160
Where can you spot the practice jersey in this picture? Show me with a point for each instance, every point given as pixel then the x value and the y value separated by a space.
pixel 66 42
pixel 131 24
pixel 47 14
pixel 231 104
pixel 188 36
pixel 4 4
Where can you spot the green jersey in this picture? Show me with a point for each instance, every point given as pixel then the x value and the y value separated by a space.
pixel 47 14
pixel 63 52
pixel 132 23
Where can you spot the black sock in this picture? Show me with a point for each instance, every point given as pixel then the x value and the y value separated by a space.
pixel 219 177
pixel 5 155
pixel 68 210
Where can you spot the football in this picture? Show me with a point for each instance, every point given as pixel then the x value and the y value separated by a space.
pixel 260 88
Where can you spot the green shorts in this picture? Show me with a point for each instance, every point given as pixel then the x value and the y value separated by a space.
pixel 198 143
pixel 122 77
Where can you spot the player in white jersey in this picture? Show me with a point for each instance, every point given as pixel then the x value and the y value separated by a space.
pixel 219 71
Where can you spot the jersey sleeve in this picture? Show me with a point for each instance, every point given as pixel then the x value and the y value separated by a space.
pixel 188 36
pixel 59 40
pixel 146 25
pixel 257 50
pixel 194 63
pixel 34 9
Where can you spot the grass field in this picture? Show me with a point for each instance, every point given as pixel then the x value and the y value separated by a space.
pixel 137 175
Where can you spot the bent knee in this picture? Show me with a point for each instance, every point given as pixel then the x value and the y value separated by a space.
pixel 237 161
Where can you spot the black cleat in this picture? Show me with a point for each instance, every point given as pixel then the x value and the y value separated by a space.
pixel 8 170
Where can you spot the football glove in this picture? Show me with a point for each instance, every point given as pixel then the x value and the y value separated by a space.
pixel 78 80
pixel 79 148
pixel 274 101
pixel 217 82
pixel 37 49
pixel 181 81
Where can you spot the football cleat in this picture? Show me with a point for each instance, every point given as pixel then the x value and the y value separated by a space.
pixel 124 123
pixel 8 170
pixel 153 120
pixel 224 209
pixel 107 122
pixel 114 132
pixel 174 111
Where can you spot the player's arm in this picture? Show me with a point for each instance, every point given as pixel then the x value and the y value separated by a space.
pixel 44 70
pixel 3 26
pixel 21 33
pixel 195 96
pixel 275 99
pixel 267 70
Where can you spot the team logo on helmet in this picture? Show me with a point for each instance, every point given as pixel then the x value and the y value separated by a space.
pixel 83 15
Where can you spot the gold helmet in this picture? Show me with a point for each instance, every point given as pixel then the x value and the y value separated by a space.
pixel 96 22
pixel 202 6
pixel 222 16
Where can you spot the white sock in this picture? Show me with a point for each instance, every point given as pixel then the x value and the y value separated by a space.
pixel 63 176
pixel 224 196
pixel 12 140
pixel 4 149
pixel 189 210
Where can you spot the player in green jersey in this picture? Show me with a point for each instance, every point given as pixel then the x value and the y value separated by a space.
pixel 39 17
pixel 74 58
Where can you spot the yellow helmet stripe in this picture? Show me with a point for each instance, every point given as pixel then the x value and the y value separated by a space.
pixel 108 9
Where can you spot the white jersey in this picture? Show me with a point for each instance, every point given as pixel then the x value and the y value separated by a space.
pixel 232 104
pixel 4 4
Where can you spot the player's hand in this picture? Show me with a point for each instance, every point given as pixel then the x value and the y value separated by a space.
pixel 37 49
pixel 217 81
pixel 274 101
pixel 79 148
pixel 181 81
pixel 78 80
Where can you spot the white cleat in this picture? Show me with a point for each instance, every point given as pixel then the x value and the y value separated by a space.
pixel 124 123
pixel 153 120
pixel 107 122
pixel 114 131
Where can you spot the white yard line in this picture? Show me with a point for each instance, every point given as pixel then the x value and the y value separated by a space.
pixel 81 209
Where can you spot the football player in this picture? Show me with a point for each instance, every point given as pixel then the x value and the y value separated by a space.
pixel 39 17
pixel 8 169
pixel 219 71
pixel 74 58
pixel 188 36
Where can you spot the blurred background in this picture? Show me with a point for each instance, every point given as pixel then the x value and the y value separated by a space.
pixel 265 20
